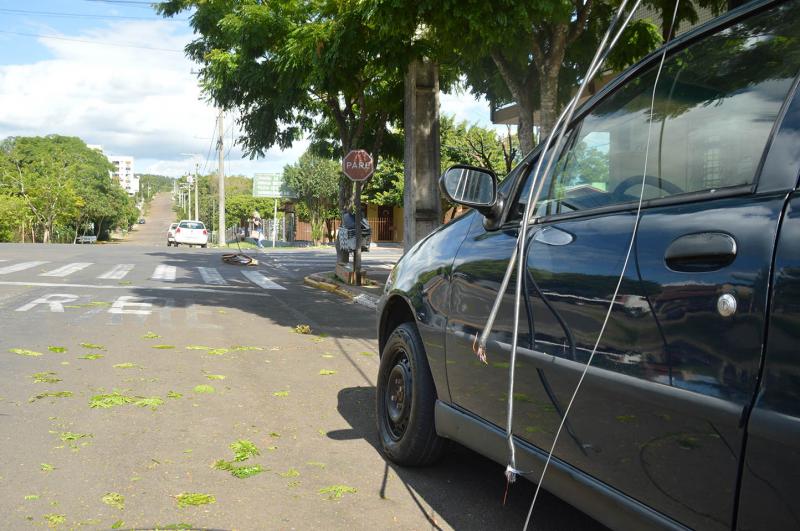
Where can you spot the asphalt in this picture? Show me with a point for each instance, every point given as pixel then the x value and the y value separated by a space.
pixel 305 400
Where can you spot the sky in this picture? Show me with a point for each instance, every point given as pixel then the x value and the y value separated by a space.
pixel 113 73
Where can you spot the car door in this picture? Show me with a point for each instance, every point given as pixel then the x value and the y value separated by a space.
pixel 659 414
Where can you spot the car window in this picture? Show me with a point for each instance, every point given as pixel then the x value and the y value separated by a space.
pixel 192 225
pixel 715 106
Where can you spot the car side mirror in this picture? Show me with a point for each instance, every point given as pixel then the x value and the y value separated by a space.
pixel 472 187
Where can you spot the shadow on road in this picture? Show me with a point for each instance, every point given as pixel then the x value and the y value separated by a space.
pixel 464 490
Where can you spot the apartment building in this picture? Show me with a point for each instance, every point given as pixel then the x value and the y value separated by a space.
pixel 123 172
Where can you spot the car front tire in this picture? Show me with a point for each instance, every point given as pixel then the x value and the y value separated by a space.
pixel 405 400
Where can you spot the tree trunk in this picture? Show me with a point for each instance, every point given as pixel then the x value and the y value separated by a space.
pixel 548 103
pixel 525 129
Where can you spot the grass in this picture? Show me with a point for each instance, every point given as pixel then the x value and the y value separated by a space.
pixel 50 394
pixel 93 346
pixel 24 352
pixel 114 499
pixel 327 372
pixel 56 349
pixel 91 357
pixel 204 389
pixel 152 402
pixel 109 400
pixel 45 377
pixel 335 492
pixel 187 499
pixel 302 329
pixel 151 335
pixel 281 394
pixel 244 450
pixel 240 472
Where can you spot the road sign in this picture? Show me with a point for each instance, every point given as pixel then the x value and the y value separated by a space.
pixel 271 185
pixel 357 165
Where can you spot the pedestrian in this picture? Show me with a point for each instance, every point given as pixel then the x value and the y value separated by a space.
pixel 258 232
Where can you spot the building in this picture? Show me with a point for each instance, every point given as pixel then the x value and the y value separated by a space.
pixel 123 173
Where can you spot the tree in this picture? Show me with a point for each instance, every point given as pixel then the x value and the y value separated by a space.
pixel 315 180
pixel 295 67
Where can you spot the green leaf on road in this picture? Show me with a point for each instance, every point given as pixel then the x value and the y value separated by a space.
pixel 215 376
pixel 218 351
pixel 114 499
pixel 51 394
pixel 243 472
pixel 56 349
pixel 24 352
pixel 47 467
pixel 281 394
pixel 186 499
pixel 93 346
pixel 291 473
pixel 326 372
pixel 316 463
pixel 32 497
pixel 367 354
pixel 151 335
pixel 68 436
pixel 152 402
pixel 91 357
pixel 244 449
pixel 335 492
pixel 302 329
pixel 164 347
pixel 117 524
pixel 245 348
pixel 197 347
pixel 204 389
pixel 54 520
pixel 109 400
pixel 126 365
pixel 173 394
pixel 45 377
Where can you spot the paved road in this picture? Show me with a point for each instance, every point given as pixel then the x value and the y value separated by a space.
pixel 154 231
pixel 313 430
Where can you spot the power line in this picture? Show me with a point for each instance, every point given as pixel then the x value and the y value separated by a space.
pixel 82 15
pixel 101 43
pixel 136 2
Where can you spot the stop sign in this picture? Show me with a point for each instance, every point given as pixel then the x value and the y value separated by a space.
pixel 357 165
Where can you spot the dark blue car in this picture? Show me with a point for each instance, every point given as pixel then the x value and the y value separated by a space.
pixel 689 416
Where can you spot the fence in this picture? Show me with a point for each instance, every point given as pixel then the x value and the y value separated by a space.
pixel 382 230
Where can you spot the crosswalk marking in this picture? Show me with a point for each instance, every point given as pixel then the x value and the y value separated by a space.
pixel 211 276
pixel 261 281
pixel 164 272
pixel 117 272
pixel 67 270
pixel 19 267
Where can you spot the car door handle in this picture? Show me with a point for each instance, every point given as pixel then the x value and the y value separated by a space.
pixel 704 251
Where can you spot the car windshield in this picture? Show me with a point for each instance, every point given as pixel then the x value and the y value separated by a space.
pixel 192 225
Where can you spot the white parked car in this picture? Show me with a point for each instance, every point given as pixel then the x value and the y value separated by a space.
pixel 189 232
pixel 171 234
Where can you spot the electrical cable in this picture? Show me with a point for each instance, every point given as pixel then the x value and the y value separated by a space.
pixel 621 275
pixel 59 14
pixel 84 41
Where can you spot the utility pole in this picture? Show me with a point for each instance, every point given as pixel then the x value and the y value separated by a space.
pixel 221 171
pixel 196 201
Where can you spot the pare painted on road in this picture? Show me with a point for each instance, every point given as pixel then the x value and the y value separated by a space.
pixel 124 305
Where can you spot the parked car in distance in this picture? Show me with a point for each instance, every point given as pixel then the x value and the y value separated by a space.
pixel 190 232
pixel 171 234
pixel 141 221
pixel 688 416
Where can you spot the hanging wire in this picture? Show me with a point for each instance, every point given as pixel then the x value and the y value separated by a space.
pixel 619 280
pixel 518 255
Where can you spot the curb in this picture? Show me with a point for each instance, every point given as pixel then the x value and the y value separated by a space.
pixel 315 280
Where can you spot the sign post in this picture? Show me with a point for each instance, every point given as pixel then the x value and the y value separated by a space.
pixel 358 166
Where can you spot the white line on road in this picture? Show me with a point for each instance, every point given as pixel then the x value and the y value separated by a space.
pixel 117 272
pixel 19 267
pixel 67 270
pixel 260 280
pixel 211 276
pixel 242 291
pixel 164 272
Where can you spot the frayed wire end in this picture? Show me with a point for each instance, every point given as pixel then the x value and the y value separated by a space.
pixel 480 350
pixel 511 474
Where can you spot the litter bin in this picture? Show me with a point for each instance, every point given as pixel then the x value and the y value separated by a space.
pixel 346 236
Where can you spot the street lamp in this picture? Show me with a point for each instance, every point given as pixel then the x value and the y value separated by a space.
pixel 199 157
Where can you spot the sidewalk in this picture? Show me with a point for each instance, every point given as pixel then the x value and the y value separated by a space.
pixel 365 295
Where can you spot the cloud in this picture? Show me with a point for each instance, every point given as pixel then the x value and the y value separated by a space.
pixel 139 102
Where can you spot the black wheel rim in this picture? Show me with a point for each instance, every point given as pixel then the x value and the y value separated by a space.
pixel 397 396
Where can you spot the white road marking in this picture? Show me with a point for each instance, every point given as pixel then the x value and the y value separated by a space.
pixel 145 288
pixel 55 301
pixel 19 267
pixel 165 272
pixel 67 270
pixel 117 272
pixel 211 276
pixel 122 305
pixel 261 281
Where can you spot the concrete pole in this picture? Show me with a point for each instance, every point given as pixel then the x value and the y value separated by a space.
pixel 422 158
pixel 196 201
pixel 221 172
